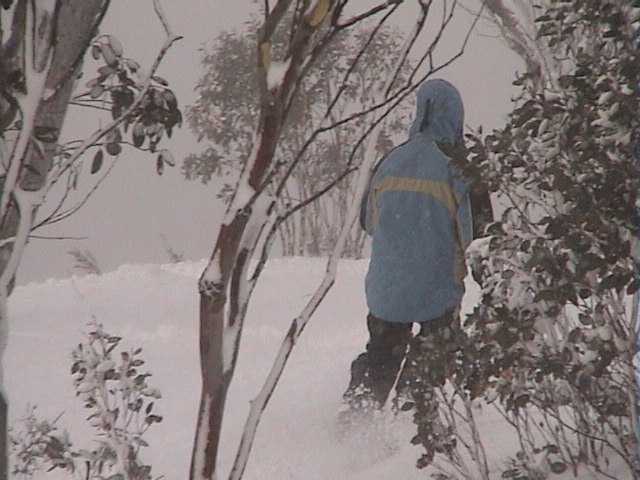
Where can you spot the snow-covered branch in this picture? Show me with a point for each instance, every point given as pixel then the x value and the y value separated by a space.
pixel 365 15
pixel 28 102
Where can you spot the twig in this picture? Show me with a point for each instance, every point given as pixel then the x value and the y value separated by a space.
pixel 343 86
pixel 367 14
pixel 56 217
pixel 163 18
pixel 44 237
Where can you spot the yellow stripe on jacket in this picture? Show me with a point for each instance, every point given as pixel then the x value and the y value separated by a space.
pixel 440 191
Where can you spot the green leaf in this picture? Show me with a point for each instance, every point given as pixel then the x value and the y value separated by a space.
pixel 170 98
pixel 141 442
pixel 113 149
pixel 96 91
pixel 46 134
pixel 95 51
pixel 115 45
pixel 406 406
pixel 160 80
pixel 132 64
pixel 137 135
pixel 543 18
pixel 167 157
pixel 584 293
pixel 558 467
pixel 96 164
pixel 106 71
pixel 547 295
pixel 160 165
pixel 508 274
pixel 92 83
pixel 150 419
pixel 109 55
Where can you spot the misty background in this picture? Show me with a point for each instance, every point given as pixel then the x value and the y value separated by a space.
pixel 129 217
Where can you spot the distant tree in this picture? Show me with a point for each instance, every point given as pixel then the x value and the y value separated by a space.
pixel 225 115
pixel 43 46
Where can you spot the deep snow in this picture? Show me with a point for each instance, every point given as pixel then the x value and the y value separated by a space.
pixel 155 306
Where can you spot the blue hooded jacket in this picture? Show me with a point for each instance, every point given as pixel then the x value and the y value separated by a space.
pixel 418 212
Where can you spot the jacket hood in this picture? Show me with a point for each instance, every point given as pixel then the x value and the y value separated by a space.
pixel 440 113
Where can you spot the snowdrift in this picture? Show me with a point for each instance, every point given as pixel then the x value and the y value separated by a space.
pixel 155 307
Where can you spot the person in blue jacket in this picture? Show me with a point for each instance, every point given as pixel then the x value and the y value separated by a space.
pixel 417 210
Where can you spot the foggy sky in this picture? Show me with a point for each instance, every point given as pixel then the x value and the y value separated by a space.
pixel 124 220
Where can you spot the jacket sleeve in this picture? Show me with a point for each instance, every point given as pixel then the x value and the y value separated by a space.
pixel 363 209
pixel 365 204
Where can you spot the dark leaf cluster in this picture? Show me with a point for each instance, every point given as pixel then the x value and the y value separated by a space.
pixel 150 112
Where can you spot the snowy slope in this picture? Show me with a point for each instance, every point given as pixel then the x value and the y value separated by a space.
pixel 156 307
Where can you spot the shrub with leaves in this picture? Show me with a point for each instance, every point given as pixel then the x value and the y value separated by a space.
pixel 552 341
pixel 121 405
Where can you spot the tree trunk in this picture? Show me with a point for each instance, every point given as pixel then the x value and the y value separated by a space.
pixel 247 215
pixel 67 28
pixel 220 334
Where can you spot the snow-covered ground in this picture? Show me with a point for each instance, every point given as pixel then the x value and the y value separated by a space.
pixel 155 307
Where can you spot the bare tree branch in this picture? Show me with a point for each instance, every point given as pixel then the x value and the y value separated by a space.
pixel 163 18
pixel 369 13
pixel 57 216
pixel 46 237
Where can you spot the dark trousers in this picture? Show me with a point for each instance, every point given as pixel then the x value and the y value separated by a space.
pixel 425 356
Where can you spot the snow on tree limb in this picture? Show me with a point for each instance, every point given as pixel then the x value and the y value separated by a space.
pixel 28 103
pixel 276 73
